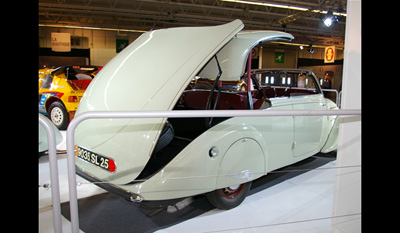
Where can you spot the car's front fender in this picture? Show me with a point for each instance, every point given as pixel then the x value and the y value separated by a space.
pixel 332 141
pixel 333 125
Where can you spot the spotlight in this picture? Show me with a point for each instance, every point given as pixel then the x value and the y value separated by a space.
pixel 328 22
pixel 310 49
pixel 329 18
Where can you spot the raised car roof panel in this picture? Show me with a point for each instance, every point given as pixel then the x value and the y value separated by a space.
pixel 232 57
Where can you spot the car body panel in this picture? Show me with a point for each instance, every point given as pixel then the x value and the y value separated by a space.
pixel 308 129
pixel 192 171
pixel 153 76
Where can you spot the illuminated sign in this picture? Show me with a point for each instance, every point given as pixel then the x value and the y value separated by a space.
pixel 329 54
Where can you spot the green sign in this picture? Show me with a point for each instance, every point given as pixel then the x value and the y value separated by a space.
pixel 121 44
pixel 279 57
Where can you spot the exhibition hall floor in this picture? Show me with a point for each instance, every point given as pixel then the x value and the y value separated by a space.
pixel 298 198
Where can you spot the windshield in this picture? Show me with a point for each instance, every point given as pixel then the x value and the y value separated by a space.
pixel 47 81
pixel 287 78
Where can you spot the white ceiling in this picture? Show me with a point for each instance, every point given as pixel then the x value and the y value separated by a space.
pixel 154 14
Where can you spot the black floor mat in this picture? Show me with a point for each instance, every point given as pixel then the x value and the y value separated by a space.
pixel 109 213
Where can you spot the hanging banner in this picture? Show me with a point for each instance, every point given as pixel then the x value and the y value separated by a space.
pixel 330 54
pixel 60 42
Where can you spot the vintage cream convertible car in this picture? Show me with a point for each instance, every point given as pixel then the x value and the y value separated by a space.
pixel 158 159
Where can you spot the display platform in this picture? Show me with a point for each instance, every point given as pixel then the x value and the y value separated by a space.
pixel 107 212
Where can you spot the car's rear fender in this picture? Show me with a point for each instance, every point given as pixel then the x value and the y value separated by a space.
pixel 240 158
pixel 51 100
pixel 243 161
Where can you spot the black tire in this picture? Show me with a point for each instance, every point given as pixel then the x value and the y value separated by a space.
pixel 58 115
pixel 230 197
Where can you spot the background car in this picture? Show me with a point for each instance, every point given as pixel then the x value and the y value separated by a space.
pixel 61 89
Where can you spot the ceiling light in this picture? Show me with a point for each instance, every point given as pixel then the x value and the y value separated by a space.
pixel 326 12
pixel 268 4
pixel 310 49
pixel 90 28
pixel 329 19
pixel 282 6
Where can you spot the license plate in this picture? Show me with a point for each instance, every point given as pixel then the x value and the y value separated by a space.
pixel 96 159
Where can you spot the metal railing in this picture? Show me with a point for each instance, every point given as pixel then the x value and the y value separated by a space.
pixel 163 114
pixel 55 189
pixel 338 104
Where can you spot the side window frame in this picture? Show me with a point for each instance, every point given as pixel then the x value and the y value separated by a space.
pixel 308 76
pixel 47 80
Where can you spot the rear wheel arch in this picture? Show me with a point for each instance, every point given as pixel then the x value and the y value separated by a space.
pixel 243 161
pixel 51 100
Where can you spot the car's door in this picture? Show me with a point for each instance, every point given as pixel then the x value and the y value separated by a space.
pixel 278 134
pixel 306 95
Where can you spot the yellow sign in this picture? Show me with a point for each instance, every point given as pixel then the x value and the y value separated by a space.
pixel 330 54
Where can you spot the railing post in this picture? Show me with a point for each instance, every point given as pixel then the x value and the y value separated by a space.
pixel 55 189
pixel 73 193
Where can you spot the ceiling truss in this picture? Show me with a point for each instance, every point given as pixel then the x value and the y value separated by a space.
pixel 154 14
